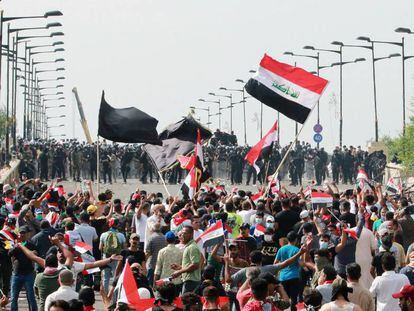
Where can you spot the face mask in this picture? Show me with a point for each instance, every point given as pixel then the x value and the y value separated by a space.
pixel 269 225
pixel 258 220
pixel 323 245
pixel 268 238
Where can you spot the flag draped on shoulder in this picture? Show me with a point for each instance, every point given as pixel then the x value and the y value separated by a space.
pixel 126 125
pixel 321 199
pixel 285 88
pixel 263 148
pixel 213 235
pixel 259 230
pixel 127 287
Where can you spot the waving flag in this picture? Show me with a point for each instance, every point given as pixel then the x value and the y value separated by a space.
pixel 321 199
pixel 285 88
pixel 392 186
pixel 256 197
pixel 213 235
pixel 263 148
pixel 82 247
pixel 197 173
pixel 259 230
pixel 308 191
pixel 127 287
pixel 362 181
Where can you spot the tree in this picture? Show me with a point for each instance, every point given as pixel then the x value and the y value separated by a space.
pixel 3 119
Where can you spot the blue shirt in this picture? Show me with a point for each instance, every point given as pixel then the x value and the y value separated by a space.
pixel 292 271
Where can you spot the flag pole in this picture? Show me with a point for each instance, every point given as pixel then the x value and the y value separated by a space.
pixel 97 165
pixel 159 173
pixel 285 156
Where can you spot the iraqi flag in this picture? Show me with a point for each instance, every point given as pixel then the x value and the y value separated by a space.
pixel 213 235
pixel 262 148
pixel 82 247
pixel 392 186
pixel 285 88
pixel 259 230
pixel 362 181
pixel 321 199
pixel 127 287
pixel 256 197
pixel 197 173
pixel 308 191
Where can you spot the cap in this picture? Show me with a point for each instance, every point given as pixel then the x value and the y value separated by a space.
pixel 170 236
pixel 304 214
pixel 233 244
pixel 134 236
pixel 382 231
pixel 24 229
pixel 91 209
pixel 7 187
pixel 407 291
pixel 270 219
pixel 245 225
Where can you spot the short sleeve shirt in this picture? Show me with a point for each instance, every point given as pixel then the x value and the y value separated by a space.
pixel 292 271
pixel 191 256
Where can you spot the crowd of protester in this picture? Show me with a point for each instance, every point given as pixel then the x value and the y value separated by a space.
pixel 280 252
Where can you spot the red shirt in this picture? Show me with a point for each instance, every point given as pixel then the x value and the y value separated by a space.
pixel 243 297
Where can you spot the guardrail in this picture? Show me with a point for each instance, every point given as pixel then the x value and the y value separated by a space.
pixel 7 175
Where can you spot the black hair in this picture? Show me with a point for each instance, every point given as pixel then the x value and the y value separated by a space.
pixel 388 262
pixel 167 292
pixel 370 199
pixel 75 305
pixel 259 289
pixel 389 215
pixel 84 217
pixel 286 203
pixel 87 296
pixel 353 271
pixel 102 196
pixel 51 261
pixel 256 257
pixel 329 272
pixel 44 224
pixel 209 272
pixel 59 304
pixel 313 299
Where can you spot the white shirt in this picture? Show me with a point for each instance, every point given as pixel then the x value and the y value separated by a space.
pixel 140 225
pixel 246 215
pixel 77 267
pixel 363 256
pixel 87 233
pixel 384 286
pixel 150 224
pixel 65 293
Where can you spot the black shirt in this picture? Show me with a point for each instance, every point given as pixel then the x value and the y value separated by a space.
pixel 286 220
pixel 21 264
pixel 139 255
pixel 269 250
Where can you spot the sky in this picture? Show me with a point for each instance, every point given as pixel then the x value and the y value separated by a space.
pixel 161 56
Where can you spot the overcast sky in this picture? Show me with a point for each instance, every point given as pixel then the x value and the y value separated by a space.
pixel 161 56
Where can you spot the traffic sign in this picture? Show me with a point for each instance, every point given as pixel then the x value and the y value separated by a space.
pixel 317 138
pixel 317 128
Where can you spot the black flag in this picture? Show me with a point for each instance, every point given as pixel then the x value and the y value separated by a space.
pixel 177 139
pixel 126 125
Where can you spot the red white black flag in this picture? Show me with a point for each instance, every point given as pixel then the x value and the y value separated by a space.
pixel 288 89
pixel 262 148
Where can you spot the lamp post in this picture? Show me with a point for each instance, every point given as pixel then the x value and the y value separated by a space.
pixel 371 48
pixel 215 102
pixel 244 109
pixel 204 109
pixel 57 106
pixel 231 110
pixel 404 58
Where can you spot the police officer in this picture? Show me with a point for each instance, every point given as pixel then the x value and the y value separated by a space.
pixel 335 165
pixel 106 166
pixel 43 164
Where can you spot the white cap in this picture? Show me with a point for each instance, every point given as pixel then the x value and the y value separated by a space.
pixel 144 293
pixel 270 219
pixel 7 187
pixel 304 214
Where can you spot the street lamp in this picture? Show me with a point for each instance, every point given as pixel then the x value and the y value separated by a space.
pixel 315 57
pixel 244 108
pixel 55 126
pixel 57 106
pixel 231 104
pixel 215 102
pixel 403 58
pixel 204 109
pixel 53 34
pixel 57 117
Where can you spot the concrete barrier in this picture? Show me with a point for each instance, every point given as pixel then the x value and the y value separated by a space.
pixel 8 174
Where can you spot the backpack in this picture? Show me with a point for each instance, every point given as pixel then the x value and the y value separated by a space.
pixel 112 244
